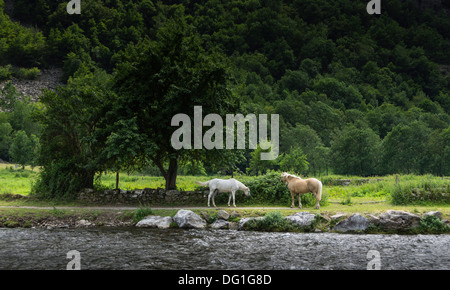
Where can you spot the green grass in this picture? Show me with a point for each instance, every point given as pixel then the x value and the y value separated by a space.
pixel 426 190
pixel 16 181
pixel 384 188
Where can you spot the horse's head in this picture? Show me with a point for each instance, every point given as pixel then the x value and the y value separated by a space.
pixel 284 177
pixel 247 192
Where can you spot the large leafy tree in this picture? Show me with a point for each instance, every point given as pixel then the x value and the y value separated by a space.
pixel 73 135
pixel 405 147
pixel 157 79
pixel 355 150
pixel 22 148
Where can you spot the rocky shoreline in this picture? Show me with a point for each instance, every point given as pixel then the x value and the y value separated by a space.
pixel 391 221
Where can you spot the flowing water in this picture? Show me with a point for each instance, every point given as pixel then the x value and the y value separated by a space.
pixel 134 248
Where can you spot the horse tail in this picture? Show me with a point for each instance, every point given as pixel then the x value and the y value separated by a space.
pixel 202 183
pixel 319 191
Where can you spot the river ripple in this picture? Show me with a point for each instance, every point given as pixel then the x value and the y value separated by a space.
pixel 133 248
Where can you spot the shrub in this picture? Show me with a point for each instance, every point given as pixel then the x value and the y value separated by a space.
pixel 61 181
pixel 5 72
pixel 268 189
pixel 141 213
pixel 273 222
pixel 27 74
pixel 421 192
pixel 433 225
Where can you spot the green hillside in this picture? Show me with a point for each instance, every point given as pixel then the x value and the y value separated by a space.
pixel 356 93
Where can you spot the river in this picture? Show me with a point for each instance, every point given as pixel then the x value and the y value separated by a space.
pixel 177 249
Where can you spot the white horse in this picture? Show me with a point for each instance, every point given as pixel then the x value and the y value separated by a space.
pixel 221 185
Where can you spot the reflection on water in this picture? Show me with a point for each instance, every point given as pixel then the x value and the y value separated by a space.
pixel 133 248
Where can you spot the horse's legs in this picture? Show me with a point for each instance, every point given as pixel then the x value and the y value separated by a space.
pixel 229 199
pixel 234 204
pixel 211 192
pixel 317 201
pixel 214 195
pixel 299 201
pixel 292 195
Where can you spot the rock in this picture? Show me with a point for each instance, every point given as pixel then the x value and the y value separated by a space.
pixel 373 219
pixel 205 215
pixel 338 216
pixel 220 224
pixel 188 219
pixel 233 226
pixel 437 214
pixel 83 223
pixel 221 214
pixel 172 195
pixel 302 219
pixel 244 221
pixel 397 220
pixel 235 214
pixel 355 222
pixel 155 222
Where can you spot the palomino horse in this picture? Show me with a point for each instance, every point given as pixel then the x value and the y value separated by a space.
pixel 221 185
pixel 299 186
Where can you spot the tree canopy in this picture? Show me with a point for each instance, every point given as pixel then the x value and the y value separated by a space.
pixel 356 93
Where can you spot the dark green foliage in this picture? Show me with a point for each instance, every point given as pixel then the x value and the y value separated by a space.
pixel 421 193
pixel 159 79
pixel 432 225
pixel 355 151
pixel 273 222
pixel 356 93
pixel 73 136
pixel 269 188
pixel 23 148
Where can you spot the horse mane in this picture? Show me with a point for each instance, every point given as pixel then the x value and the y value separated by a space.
pixel 292 175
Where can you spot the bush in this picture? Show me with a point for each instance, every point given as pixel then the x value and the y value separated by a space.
pixel 273 222
pixel 433 225
pixel 422 192
pixel 141 213
pixel 27 74
pixel 268 189
pixel 5 72
pixel 61 181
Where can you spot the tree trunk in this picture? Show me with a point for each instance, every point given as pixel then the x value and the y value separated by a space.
pixel 88 179
pixel 117 180
pixel 171 174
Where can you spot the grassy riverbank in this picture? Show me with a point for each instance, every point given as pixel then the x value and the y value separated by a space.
pixel 343 194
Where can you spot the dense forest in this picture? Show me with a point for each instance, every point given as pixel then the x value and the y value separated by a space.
pixel 356 93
